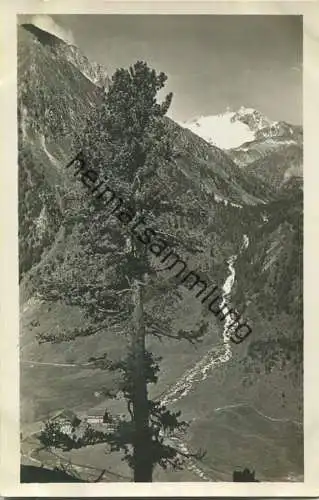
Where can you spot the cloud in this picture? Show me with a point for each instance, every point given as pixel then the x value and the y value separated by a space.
pixel 46 23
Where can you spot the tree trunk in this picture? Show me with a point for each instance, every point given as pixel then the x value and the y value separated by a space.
pixel 142 460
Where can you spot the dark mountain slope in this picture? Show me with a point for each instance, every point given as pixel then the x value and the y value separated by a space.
pixel 53 101
pixel 275 256
pixel 91 70
pixel 277 167
pixel 52 94
pixel 268 140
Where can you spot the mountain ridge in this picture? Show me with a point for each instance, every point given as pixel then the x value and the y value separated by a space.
pixel 235 129
pixel 91 70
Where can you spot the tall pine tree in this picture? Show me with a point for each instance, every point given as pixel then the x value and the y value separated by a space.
pixel 126 140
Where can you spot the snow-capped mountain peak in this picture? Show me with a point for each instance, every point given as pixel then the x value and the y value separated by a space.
pixel 229 129
pixel 252 118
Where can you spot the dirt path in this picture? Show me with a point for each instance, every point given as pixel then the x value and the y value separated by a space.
pixel 54 364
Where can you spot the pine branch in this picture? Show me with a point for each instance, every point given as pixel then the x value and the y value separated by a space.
pixel 76 332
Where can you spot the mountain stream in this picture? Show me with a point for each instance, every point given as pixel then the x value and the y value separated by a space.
pixel 200 371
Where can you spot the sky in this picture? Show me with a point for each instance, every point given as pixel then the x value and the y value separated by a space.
pixel 213 62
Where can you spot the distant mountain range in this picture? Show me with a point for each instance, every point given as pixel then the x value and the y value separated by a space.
pixel 233 209
pixel 272 149
pixel 232 129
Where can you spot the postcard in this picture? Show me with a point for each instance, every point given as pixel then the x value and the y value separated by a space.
pixel 158 249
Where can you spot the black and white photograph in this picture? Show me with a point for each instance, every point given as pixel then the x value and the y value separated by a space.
pixel 160 211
